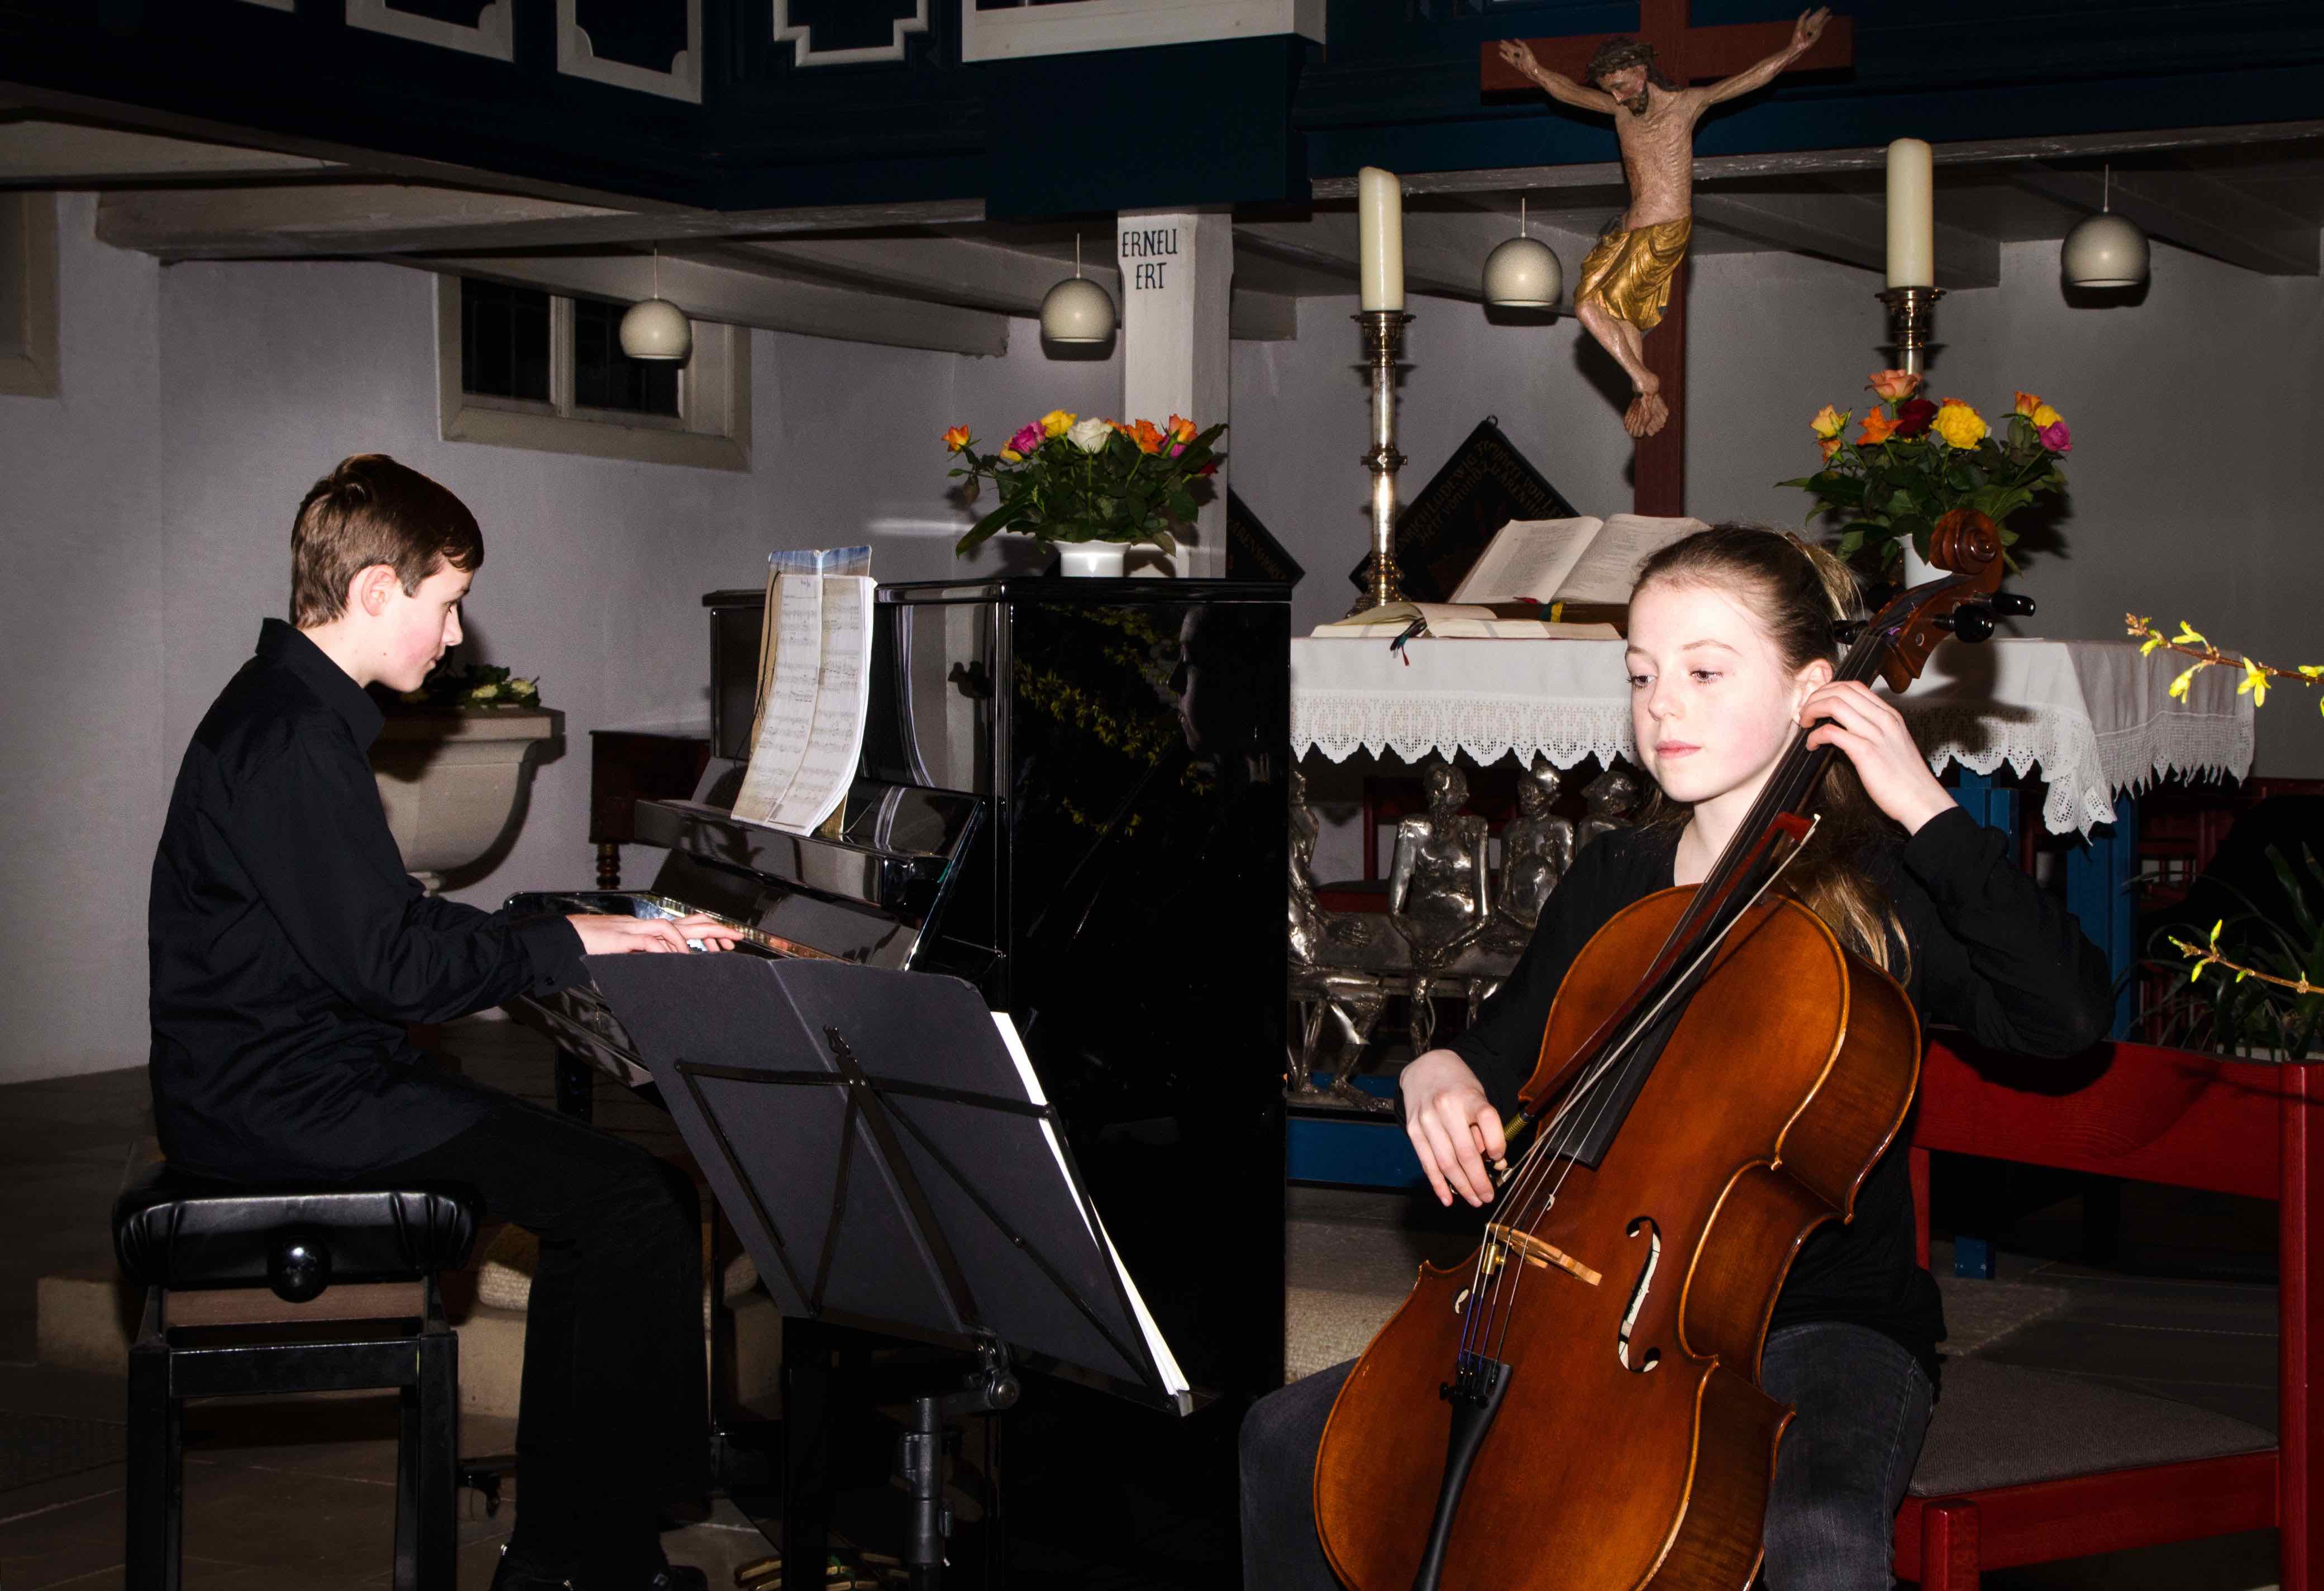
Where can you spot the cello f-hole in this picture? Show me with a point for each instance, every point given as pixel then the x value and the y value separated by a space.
pixel 1653 1356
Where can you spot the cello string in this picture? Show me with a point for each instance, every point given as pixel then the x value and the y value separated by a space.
pixel 1678 984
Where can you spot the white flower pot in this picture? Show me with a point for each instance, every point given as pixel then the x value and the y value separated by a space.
pixel 1092 560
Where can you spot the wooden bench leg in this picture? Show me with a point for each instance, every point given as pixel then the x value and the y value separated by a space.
pixel 156 1479
pixel 428 1466
pixel 1949 1546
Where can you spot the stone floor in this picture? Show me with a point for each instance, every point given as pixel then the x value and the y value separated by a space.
pixel 292 1494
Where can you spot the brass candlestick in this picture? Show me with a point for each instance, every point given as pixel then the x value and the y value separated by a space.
pixel 1911 311
pixel 1383 348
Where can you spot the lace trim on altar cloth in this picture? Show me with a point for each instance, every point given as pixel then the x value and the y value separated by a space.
pixel 2083 770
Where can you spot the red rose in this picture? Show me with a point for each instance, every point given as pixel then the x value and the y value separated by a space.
pixel 1914 415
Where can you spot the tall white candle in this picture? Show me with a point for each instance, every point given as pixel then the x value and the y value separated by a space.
pixel 1379 213
pixel 1912 218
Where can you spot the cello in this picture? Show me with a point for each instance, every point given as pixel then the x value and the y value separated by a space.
pixel 1578 1406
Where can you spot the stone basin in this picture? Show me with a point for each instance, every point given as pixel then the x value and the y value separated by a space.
pixel 450 781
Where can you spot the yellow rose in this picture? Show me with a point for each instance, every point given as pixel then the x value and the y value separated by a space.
pixel 1829 423
pixel 2043 417
pixel 1056 423
pixel 1959 425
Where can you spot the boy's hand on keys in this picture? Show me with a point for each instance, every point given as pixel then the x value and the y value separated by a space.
pixel 619 936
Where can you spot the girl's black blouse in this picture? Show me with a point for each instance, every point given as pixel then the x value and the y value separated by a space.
pixel 1991 952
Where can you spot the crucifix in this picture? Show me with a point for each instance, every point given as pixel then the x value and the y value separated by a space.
pixel 1633 280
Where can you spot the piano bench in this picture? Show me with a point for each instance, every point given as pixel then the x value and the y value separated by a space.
pixel 301 1263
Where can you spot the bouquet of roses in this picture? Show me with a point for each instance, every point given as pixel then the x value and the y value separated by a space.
pixel 1914 462
pixel 1062 478
pixel 478 685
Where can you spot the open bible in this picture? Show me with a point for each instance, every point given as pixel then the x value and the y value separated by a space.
pixel 815 658
pixel 1563 578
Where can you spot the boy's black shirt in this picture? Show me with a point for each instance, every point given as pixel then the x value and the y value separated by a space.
pixel 1991 952
pixel 289 947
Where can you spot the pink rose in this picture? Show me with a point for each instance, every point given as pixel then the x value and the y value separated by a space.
pixel 1894 386
pixel 2056 437
pixel 1027 439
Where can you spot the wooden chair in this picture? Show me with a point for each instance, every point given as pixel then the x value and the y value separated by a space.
pixel 2026 1467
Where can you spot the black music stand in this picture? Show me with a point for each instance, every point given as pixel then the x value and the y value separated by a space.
pixel 879 1151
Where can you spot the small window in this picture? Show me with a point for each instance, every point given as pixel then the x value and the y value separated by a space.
pixel 505 340
pixel 528 368
pixel 28 294
pixel 604 377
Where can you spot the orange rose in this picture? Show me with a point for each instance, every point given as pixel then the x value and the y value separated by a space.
pixel 1878 428
pixel 1894 385
pixel 956 439
pixel 2027 402
pixel 1830 445
pixel 1149 440
pixel 1181 430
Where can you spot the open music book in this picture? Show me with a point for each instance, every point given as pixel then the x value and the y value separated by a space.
pixel 815 659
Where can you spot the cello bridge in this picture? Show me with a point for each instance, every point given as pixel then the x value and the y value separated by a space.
pixel 1502 1241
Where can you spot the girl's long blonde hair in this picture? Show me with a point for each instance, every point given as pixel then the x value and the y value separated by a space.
pixel 1797 593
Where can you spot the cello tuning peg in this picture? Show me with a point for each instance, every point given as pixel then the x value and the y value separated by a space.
pixel 2011 603
pixel 1971 621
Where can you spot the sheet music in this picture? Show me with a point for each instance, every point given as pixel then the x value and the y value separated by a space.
pixel 1608 569
pixel 1529 558
pixel 842 704
pixel 1174 1380
pixel 828 560
pixel 786 720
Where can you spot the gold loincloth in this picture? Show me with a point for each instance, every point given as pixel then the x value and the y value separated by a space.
pixel 1629 272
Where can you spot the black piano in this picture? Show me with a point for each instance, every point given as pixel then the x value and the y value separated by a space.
pixel 1072 795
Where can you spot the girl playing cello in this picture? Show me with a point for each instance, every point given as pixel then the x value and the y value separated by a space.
pixel 1731 647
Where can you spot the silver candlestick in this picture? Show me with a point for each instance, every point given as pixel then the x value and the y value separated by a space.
pixel 1911 312
pixel 1383 348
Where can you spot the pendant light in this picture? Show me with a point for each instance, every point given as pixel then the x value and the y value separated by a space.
pixel 656 328
pixel 2104 249
pixel 1077 309
pixel 1523 274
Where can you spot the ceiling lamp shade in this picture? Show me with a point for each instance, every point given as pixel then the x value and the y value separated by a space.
pixel 1077 309
pixel 1523 274
pixel 2104 249
pixel 656 328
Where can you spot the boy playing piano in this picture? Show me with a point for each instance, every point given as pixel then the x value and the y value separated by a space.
pixel 289 949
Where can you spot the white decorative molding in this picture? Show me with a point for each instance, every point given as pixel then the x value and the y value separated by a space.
pixel 494 34
pixel 1079 26
pixel 577 57
pixel 800 36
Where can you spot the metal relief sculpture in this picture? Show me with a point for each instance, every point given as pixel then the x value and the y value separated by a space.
pixel 1609 798
pixel 1439 888
pixel 1536 848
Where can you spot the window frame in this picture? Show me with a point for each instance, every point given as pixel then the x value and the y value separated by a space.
pixel 30 234
pixel 711 431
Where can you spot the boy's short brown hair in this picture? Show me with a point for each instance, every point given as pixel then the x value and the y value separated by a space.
pixel 372 509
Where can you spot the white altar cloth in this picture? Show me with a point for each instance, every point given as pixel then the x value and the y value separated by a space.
pixel 2094 715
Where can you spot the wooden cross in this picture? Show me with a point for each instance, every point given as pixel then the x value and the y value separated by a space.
pixel 1686 54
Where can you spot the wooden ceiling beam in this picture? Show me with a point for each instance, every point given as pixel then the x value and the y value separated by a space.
pixel 68 155
pixel 2193 209
pixel 1845 228
pixel 710 291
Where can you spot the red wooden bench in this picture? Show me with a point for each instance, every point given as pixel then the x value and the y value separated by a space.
pixel 2027 1466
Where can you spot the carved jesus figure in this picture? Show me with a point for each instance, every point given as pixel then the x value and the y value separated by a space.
pixel 1625 282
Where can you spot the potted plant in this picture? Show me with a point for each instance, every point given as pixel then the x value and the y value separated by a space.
pixel 451 760
pixel 1094 486
pixel 1916 462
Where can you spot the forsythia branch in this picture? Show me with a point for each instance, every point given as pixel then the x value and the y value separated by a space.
pixel 2190 643
pixel 2207 955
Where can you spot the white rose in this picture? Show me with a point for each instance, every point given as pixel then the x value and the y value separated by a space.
pixel 1089 435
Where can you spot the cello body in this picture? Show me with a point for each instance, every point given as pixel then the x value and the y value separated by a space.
pixel 1633 1446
